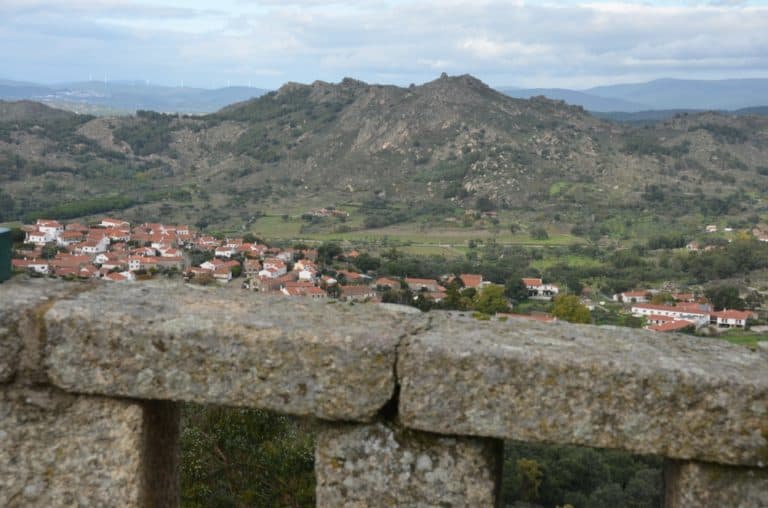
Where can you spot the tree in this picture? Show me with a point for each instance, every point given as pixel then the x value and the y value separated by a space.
pixel 725 297
pixel 484 204
pixel 607 496
pixel 327 251
pixel 644 489
pixel 569 308
pixel 539 233
pixel 491 300
pixel 365 262
pixel 531 475
pixel 662 298
pixel 515 289
pixel 244 457
pixel 454 300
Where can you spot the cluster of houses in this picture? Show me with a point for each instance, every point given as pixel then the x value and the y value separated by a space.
pixel 687 313
pixel 109 250
pixel 114 251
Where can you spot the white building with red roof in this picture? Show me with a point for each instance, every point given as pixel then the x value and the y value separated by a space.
pixel 52 228
pixel 69 237
pixel 635 296
pixel 538 290
pixel 731 318
pixel 36 265
pixel 37 237
pixel 273 268
pixel 697 314
pixel 416 284
pixel 471 280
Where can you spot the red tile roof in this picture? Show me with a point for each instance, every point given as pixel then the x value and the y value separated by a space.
pixel 471 280
pixel 732 314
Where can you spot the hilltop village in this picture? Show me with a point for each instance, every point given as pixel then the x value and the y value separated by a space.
pixel 112 250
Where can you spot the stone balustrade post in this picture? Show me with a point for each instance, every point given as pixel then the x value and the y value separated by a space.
pixel 703 484
pixel 384 465
pixel 67 449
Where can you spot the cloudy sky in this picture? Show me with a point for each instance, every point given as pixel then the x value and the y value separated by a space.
pixel 552 43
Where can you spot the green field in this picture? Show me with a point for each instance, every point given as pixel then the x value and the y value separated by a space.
pixel 433 250
pixel 744 337
pixel 572 261
pixel 418 235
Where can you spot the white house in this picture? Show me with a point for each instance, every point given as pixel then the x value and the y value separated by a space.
pixel 52 228
pixel 208 265
pixel 134 263
pixel 35 265
pixel 274 266
pixel 68 238
pixel 119 235
pixel 731 318
pixel 638 296
pixel 307 274
pixel 538 290
pixel 225 252
pixel 94 246
pixel 222 274
pixel 38 237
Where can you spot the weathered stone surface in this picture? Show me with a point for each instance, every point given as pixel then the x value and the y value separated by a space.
pixel 22 303
pixel 699 484
pixel 676 396
pixel 383 465
pixel 67 450
pixel 168 341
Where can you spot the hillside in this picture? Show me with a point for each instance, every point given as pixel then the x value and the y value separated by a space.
pixel 425 153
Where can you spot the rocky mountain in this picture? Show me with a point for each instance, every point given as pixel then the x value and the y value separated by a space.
pixel 437 149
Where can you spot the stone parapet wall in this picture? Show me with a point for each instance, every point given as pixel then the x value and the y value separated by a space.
pixel 89 367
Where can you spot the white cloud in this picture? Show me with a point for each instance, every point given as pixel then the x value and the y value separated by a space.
pixel 555 43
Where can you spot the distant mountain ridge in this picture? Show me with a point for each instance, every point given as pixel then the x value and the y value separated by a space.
pixel 127 96
pixel 660 94
pixel 590 102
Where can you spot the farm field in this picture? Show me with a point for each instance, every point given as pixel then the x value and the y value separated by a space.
pixel 278 228
pixel 744 337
